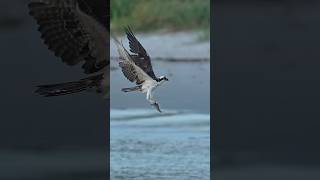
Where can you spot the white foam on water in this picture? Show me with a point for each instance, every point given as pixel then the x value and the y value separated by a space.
pixel 116 114
pixel 182 119
pixel 144 117
pixel 124 113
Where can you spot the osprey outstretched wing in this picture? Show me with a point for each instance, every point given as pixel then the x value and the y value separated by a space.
pixel 71 34
pixel 140 56
pixel 76 37
pixel 129 68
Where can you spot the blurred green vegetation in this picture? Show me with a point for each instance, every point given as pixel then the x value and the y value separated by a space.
pixel 172 15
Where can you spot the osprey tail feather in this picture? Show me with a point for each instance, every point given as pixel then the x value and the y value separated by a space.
pixel 136 88
pixel 70 87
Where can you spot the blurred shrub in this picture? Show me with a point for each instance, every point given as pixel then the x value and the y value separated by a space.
pixel 147 15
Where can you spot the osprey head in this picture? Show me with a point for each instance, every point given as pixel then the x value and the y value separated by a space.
pixel 161 78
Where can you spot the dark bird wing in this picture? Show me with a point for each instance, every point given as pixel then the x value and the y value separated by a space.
pixel 71 34
pixel 140 56
pixel 130 69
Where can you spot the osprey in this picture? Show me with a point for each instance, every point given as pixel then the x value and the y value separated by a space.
pixel 76 37
pixel 137 68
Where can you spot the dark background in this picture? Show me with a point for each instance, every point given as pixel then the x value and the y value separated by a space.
pixel 46 138
pixel 266 90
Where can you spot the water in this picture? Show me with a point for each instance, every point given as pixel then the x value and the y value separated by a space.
pixel 149 145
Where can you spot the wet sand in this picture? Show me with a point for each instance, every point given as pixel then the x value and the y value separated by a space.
pixel 170 45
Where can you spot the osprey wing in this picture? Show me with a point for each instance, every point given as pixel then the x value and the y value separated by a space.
pixel 129 68
pixel 70 33
pixel 140 57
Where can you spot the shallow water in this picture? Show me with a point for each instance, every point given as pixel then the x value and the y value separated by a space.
pixel 149 145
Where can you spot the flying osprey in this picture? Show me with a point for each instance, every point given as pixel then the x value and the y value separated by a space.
pixel 76 37
pixel 137 68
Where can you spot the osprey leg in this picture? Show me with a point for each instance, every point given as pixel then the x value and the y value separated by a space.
pixel 136 88
pixel 152 101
